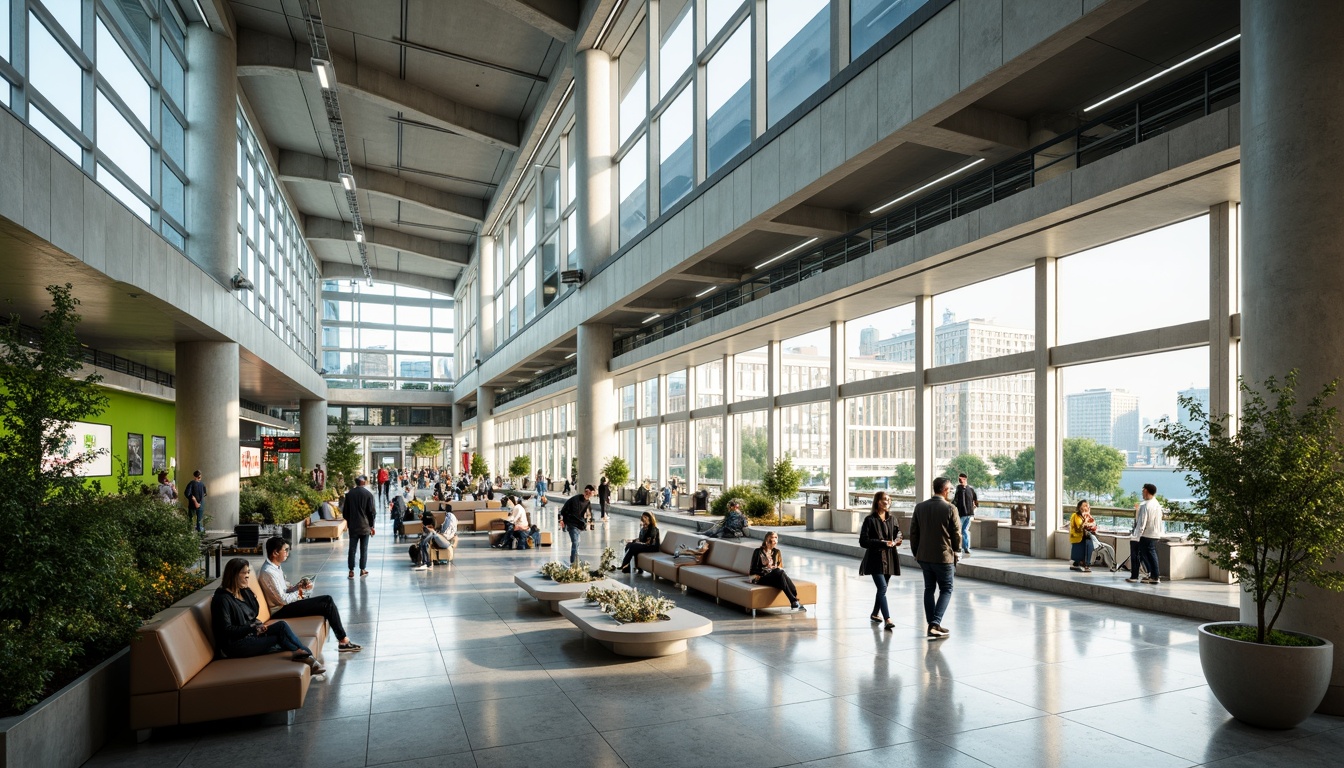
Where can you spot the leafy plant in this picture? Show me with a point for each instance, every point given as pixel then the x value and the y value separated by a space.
pixel 977 471
pixel 903 478
pixel 580 572
pixel 617 471
pixel 520 466
pixel 745 491
pixel 630 606
pixel 479 467
pixel 781 483
pixel 1271 494
pixel 426 446
pixel 1090 467
pixel 343 457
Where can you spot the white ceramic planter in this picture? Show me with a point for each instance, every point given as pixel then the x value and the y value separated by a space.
pixel 1268 686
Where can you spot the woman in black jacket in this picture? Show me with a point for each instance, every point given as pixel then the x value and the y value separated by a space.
pixel 879 538
pixel 767 567
pixel 647 541
pixel 238 633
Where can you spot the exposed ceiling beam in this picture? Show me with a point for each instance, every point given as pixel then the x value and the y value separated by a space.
pixel 646 309
pixel 318 228
pixel 812 221
pixel 557 18
pixel 1003 130
pixel 709 272
pixel 298 167
pixel 263 55
pixel 469 60
pixel 335 270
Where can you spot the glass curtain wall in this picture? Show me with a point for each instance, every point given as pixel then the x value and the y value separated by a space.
pixel 105 83
pixel 386 336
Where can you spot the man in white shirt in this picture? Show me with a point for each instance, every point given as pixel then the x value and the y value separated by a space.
pixel 1143 539
pixel 445 539
pixel 516 527
pixel 291 600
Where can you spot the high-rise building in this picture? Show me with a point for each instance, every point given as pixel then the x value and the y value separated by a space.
pixel 1200 396
pixel 1108 416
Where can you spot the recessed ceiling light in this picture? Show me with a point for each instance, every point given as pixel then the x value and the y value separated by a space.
pixel 359 235
pixel 347 181
pixel 326 74
pixel 707 291
pixel 1168 70
pixel 794 249
pixel 917 190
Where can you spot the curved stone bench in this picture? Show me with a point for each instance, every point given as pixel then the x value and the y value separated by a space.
pixel 654 638
pixel 552 592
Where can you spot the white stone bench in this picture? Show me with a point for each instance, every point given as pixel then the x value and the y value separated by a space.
pixel 552 592
pixel 644 639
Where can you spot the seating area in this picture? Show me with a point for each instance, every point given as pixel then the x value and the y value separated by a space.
pixel 325 530
pixel 722 574
pixel 176 678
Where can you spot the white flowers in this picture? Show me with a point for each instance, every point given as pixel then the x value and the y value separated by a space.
pixel 579 572
pixel 628 606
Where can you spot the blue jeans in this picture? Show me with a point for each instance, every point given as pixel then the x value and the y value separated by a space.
pixel 966 534
pixel 936 576
pixel 278 633
pixel 200 515
pixel 880 604
pixel 574 534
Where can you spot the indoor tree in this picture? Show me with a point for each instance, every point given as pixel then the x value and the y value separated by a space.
pixel 520 466
pixel 427 446
pixel 343 457
pixel 616 471
pixel 479 466
pixel 781 483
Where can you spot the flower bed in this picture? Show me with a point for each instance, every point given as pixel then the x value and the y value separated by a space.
pixel 580 571
pixel 630 606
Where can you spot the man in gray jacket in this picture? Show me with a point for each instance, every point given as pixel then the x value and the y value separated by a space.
pixel 935 540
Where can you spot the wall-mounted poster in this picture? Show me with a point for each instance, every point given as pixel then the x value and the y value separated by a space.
pixel 159 452
pixel 94 440
pixel 135 454
pixel 249 461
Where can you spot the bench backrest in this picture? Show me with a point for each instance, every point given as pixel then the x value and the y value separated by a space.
pixel 170 650
pixel 482 517
pixel 722 554
pixel 673 539
pixel 742 563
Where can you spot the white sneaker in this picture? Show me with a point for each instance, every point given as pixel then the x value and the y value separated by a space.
pixel 420 568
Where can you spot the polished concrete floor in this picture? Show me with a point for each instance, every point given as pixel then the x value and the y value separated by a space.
pixel 460 668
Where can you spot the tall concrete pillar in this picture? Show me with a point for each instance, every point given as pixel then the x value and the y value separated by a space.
pixel 923 394
pixel 207 424
pixel 596 412
pixel 485 428
pixel 485 298
pixel 839 423
pixel 593 147
pixel 1292 147
pixel 730 444
pixel 1224 295
pixel 312 433
pixel 1049 447
pixel 212 153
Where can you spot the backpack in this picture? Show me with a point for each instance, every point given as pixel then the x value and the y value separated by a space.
pixel 415 554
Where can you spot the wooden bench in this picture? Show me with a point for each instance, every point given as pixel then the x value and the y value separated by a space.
pixel 325 530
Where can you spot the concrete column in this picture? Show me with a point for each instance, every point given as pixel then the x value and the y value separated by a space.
pixel 207 424
pixel 485 297
pixel 730 444
pixel 1224 293
pixel 773 358
pixel 839 421
pixel 312 433
pixel 485 428
pixel 596 411
pixel 212 154
pixel 1293 256
pixel 923 394
pixel 593 148
pixel 1049 449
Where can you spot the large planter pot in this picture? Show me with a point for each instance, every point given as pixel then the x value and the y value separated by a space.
pixel 1268 686
pixel 65 729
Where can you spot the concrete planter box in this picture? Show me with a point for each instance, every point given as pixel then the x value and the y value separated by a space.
pixel 1019 539
pixel 68 727
pixel 847 520
pixel 984 533
pixel 1179 560
pixel 818 518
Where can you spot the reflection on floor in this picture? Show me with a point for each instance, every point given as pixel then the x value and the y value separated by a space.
pixel 460 669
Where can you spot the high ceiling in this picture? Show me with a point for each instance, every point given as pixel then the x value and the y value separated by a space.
pixel 434 97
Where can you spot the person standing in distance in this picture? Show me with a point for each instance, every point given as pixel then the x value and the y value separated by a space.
pixel 318 478
pixel 574 519
pixel 384 485
pixel 1147 531
pixel 935 539
pixel 360 511
pixel 196 500
pixel 965 500
pixel 603 496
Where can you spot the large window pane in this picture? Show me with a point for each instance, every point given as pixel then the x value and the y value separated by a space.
pixel 116 68
pixel 633 73
pixel 989 319
pixel 798 53
pixel 67 14
pixel 4 43
pixel 805 362
pixel 871 20
pixel 1100 290
pixel 172 138
pixel 752 448
pixel 880 438
pixel 648 397
pixel 728 100
pixel 173 194
pixel 634 175
pixel 413 341
pixel 717 13
pixel 627 402
pixel 751 371
pixel 678 36
pixel 866 356
pixel 649 458
pixel 676 392
pixel 122 143
pixel 709 384
pixel 976 423
pixel 709 450
pixel 121 192
pixel 805 435
pixel 411 315
pixel 675 434
pixel 676 152
pixel 171 76
pixel 52 72
pixel 529 273
pixel 51 132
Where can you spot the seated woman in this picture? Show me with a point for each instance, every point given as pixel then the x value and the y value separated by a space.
pixel 1082 526
pixel 767 568
pixel 238 633
pixel 647 541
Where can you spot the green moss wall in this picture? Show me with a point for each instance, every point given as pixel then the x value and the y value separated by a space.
pixel 130 413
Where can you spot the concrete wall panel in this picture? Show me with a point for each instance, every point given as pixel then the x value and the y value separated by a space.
pixel 895 88
pixel 765 178
pixel 37 183
pixel 937 59
pixel 1134 164
pixel 1193 140
pixel 94 223
pixel 12 135
pixel 981 38
pixel 1028 22
pixel 742 181
pixel 861 112
pixel 67 209
pixel 833 126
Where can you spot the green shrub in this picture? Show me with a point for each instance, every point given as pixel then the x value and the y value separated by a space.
pixel 759 506
pixel 746 492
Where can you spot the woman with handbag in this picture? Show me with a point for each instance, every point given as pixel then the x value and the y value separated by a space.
pixel 767 568
pixel 647 541
pixel 880 538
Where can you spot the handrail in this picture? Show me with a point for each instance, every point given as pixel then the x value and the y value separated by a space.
pixel 1154 114
pixel 547 378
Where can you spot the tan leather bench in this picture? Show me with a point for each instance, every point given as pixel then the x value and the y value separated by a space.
pixel 412 528
pixel 661 563
pixel 725 576
pixel 326 530
pixel 176 678
pixel 481 518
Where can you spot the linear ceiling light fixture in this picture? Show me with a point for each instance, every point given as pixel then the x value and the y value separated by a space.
pixel 204 18
pixel 571 355
pixel 651 318
pixel 347 181
pixel 1166 71
pixel 564 98
pixel 326 74
pixel 794 249
pixel 359 236
pixel 707 291
pixel 936 181
pixel 606 25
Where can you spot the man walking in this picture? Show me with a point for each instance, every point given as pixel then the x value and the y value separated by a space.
pixel 935 539
pixel 574 519
pixel 384 485
pixel 360 511
pixel 1143 539
pixel 603 496
pixel 965 500
pixel 196 500
pixel 291 600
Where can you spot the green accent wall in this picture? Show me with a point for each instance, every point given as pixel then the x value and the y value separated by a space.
pixel 128 413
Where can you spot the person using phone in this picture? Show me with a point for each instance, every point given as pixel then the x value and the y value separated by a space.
pixel 290 600
pixel 879 538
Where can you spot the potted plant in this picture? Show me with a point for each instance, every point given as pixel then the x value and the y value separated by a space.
pixel 617 473
pixel 1270 510
pixel 519 467
pixel 781 483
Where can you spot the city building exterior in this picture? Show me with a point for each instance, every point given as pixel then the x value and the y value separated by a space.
pixel 1108 416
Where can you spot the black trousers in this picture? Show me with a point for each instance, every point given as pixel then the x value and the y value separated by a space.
pixel 780 580
pixel 633 548
pixel 322 605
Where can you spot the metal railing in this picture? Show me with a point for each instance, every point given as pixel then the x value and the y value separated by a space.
pixel 32 337
pixel 550 377
pixel 1154 114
